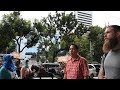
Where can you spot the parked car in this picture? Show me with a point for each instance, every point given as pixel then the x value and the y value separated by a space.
pixel 92 71
pixel 97 66
pixel 50 66
pixel 41 72
pixel 53 68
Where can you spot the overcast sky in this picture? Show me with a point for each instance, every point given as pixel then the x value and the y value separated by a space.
pixel 99 18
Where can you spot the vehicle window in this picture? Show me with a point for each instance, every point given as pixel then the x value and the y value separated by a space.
pixel 97 66
pixel 50 65
pixel 90 67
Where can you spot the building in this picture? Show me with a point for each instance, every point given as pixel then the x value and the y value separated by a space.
pixel 84 17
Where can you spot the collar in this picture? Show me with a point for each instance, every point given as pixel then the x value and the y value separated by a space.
pixel 74 59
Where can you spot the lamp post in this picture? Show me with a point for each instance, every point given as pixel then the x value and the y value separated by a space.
pixel 90 46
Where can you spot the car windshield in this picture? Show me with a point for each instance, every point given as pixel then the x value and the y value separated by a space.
pixel 90 66
pixel 50 65
pixel 97 66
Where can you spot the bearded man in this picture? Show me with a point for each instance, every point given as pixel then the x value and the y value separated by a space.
pixel 110 65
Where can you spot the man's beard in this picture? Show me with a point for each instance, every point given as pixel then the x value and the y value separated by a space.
pixel 109 44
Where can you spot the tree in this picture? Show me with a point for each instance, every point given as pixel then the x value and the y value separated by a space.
pixel 13 27
pixel 69 29
pixel 96 38
pixel 60 30
pixel 48 40
pixel 11 47
pixel 5 40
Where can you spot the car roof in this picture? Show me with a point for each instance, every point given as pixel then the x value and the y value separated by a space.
pixel 94 64
pixel 50 64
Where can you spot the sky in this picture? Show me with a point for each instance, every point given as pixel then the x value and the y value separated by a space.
pixel 100 18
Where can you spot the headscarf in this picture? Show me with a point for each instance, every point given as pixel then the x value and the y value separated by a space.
pixel 8 62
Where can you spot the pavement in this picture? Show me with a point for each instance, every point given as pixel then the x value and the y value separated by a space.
pixel 95 77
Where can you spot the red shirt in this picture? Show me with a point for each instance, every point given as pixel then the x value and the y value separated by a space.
pixel 77 68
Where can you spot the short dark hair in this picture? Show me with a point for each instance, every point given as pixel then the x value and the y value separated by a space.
pixel 116 28
pixel 76 46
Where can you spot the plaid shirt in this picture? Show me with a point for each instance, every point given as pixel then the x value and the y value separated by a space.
pixel 76 69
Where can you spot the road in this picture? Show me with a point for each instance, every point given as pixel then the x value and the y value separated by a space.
pixel 95 77
pixel 54 78
pixel 44 78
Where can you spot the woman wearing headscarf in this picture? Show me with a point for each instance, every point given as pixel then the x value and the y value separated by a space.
pixel 8 69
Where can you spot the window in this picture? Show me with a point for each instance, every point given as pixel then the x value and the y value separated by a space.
pixel 90 67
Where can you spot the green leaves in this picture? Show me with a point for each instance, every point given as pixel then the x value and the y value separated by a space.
pixel 54 33
pixel 62 29
pixel 13 26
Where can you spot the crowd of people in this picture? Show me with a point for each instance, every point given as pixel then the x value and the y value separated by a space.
pixel 76 66
pixel 10 69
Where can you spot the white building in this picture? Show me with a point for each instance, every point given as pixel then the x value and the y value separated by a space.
pixel 84 17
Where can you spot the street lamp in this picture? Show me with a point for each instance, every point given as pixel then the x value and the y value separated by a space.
pixel 90 44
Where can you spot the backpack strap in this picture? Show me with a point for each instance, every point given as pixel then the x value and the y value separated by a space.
pixel 103 59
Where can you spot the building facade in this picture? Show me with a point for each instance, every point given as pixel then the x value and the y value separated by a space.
pixel 84 17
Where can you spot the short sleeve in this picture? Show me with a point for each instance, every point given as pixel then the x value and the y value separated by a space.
pixel 85 68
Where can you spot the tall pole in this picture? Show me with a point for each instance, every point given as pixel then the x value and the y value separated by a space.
pixel 90 50
pixel 90 46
